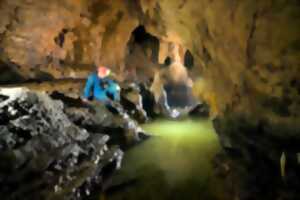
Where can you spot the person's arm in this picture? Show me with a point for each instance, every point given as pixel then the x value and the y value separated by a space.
pixel 88 87
pixel 113 91
pixel 116 91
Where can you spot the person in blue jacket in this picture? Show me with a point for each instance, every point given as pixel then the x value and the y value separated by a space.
pixel 100 87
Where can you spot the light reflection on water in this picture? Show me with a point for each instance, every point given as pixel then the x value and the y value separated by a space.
pixel 174 164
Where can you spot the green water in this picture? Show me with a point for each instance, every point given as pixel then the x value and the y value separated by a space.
pixel 176 163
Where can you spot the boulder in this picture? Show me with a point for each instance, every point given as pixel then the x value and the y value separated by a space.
pixel 44 155
pixel 116 120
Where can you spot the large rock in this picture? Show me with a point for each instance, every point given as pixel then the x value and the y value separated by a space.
pixel 44 155
pixel 116 119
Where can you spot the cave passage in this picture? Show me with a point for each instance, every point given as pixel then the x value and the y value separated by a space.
pixel 176 163
pixel 168 63
pixel 208 109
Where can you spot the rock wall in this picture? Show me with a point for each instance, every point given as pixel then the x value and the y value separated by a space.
pixel 239 46
pixel 248 54
pixel 63 38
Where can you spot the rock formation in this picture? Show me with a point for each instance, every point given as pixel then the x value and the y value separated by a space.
pixel 51 150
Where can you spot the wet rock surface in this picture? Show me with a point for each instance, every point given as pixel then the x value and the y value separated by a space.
pixel 200 110
pixel 115 119
pixel 256 163
pixel 132 101
pixel 45 151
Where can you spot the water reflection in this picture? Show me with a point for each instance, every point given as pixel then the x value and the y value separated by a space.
pixel 174 164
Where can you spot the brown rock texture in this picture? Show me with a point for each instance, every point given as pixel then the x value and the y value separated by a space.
pixel 64 38
pixel 239 46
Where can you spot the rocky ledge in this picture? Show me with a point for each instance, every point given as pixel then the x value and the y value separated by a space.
pixel 60 150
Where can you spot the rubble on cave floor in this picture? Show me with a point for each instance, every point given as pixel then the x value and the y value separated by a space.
pixel 57 149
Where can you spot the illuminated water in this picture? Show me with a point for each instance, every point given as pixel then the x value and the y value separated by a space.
pixel 174 164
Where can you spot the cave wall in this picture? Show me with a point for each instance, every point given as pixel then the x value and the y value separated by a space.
pixel 141 57
pixel 28 31
pixel 63 39
pixel 240 47
pixel 248 56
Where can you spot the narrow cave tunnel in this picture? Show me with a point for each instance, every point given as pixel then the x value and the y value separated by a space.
pixel 144 51
pixel 149 100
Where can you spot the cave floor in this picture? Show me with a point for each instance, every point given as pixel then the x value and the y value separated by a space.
pixel 176 163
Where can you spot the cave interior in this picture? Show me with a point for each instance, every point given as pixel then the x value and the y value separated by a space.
pixel 209 94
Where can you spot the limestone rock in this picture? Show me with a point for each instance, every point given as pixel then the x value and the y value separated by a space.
pixel 44 155
pixel 114 120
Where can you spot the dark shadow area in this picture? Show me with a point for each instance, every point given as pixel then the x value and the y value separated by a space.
pixel 188 60
pixel 9 74
pixel 142 55
pixel 179 95
pixel 148 43
pixel 168 62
